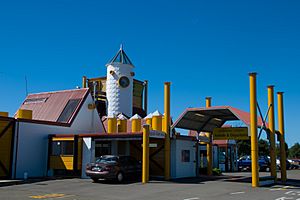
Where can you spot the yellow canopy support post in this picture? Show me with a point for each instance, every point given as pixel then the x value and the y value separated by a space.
pixel 272 131
pixel 167 123
pixel 209 152
pixel 253 129
pixel 282 140
pixel 145 162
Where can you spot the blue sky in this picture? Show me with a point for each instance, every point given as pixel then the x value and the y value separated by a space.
pixel 205 48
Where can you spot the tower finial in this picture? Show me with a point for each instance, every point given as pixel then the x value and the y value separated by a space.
pixel 121 46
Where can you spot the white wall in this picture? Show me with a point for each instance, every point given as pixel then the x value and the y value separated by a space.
pixel 31 153
pixel 87 154
pixel 181 169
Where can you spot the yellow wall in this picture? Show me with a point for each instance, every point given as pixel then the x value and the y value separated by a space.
pixel 5 147
pixel 61 162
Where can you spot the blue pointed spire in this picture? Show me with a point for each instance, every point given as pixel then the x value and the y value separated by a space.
pixel 120 57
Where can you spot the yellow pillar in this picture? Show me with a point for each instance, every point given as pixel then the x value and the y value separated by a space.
pixel 166 126
pixel 3 114
pixel 282 140
pixel 24 114
pixel 148 119
pixel 84 82
pixel 145 161
pixel 122 125
pixel 209 152
pixel 272 131
pixel 157 121
pixel 253 129
pixel 112 125
pixel 136 122
pixel 163 123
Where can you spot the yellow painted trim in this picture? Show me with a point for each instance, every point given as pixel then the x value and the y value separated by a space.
pixel 63 139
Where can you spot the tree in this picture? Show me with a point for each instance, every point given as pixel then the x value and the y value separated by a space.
pixel 294 151
pixel 278 150
pixel 263 148
pixel 244 147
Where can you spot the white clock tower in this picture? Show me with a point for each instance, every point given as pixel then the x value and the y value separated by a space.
pixel 119 85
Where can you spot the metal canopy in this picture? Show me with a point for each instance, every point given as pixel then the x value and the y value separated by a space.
pixel 206 119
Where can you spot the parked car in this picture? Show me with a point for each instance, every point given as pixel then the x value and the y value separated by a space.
pixel 244 163
pixel 113 167
pixel 288 164
pixel 295 163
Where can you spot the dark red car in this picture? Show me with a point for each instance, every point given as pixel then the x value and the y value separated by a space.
pixel 113 167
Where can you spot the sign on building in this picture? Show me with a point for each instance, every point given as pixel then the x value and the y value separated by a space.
pixel 235 133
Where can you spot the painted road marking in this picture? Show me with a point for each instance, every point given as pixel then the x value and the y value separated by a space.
pixel 233 193
pixel 193 198
pixel 293 193
pixel 46 196
pixel 284 198
pixel 66 196
pixel 276 188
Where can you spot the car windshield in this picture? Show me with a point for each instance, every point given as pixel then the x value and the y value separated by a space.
pixel 107 159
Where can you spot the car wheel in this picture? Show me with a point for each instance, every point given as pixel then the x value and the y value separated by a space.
pixel 120 177
pixel 95 180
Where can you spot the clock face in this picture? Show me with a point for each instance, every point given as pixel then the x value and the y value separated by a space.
pixel 124 81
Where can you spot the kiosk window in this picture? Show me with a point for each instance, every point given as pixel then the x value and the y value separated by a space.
pixel 185 156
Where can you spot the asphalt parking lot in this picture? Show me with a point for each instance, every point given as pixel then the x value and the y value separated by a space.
pixel 230 186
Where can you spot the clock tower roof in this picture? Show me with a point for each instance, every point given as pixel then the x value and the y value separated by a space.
pixel 120 58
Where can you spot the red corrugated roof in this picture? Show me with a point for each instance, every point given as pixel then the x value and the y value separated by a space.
pixel 48 106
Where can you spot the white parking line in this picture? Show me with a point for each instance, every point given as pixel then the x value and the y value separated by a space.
pixel 281 188
pixel 233 193
pixel 193 198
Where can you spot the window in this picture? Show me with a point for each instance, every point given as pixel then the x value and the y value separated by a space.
pixel 185 156
pixel 62 148
pixel 35 100
pixel 68 110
